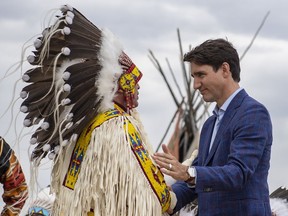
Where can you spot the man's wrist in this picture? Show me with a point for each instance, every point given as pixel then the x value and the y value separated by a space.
pixel 191 174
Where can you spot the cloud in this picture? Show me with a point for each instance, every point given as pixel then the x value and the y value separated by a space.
pixel 148 24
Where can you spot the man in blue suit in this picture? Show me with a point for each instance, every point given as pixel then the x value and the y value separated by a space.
pixel 229 176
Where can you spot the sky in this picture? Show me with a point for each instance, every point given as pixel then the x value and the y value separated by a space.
pixel 143 25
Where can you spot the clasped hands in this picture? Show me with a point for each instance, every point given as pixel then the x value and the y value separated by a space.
pixel 169 165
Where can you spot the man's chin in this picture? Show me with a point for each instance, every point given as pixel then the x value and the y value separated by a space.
pixel 135 105
pixel 207 99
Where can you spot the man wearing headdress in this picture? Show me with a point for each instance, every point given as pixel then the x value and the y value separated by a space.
pixel 83 92
pixel 13 180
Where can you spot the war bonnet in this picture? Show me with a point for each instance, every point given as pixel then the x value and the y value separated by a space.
pixel 75 75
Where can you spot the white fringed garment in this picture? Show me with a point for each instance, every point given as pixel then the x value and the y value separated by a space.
pixel 110 181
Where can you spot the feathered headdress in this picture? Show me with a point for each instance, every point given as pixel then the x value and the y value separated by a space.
pixel 77 70
pixel 43 204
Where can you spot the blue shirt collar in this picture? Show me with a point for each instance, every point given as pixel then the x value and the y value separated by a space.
pixel 220 112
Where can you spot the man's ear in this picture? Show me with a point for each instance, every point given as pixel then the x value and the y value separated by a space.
pixel 226 69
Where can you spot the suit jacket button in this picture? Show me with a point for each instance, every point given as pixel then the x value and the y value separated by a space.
pixel 209 189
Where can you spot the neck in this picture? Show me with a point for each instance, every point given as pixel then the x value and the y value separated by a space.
pixel 228 92
pixel 120 101
pixel 121 106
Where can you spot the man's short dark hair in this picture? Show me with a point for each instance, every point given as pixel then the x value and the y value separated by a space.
pixel 215 53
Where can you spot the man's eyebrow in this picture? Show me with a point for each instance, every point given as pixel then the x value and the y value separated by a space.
pixel 196 73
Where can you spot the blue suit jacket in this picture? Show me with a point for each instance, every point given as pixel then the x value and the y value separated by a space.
pixel 232 177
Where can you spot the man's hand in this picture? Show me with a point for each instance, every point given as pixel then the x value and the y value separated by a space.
pixel 170 165
pixel 169 211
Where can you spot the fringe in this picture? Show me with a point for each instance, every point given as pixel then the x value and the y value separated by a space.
pixel 111 181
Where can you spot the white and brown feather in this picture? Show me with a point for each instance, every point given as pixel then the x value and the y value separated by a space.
pixel 75 73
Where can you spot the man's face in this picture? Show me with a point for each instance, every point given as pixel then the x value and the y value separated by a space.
pixel 128 99
pixel 210 83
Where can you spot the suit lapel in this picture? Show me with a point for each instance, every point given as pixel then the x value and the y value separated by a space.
pixel 228 116
pixel 205 142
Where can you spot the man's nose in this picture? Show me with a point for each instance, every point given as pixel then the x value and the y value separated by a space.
pixel 196 84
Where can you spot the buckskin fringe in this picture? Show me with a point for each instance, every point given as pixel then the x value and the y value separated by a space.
pixel 111 181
